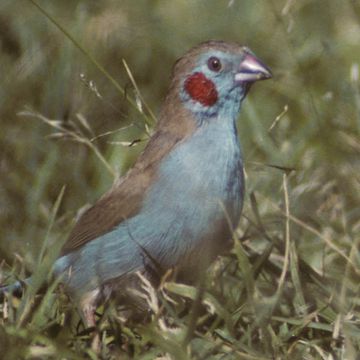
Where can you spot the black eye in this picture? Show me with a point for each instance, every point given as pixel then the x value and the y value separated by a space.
pixel 214 64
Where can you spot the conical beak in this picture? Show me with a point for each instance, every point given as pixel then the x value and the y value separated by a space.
pixel 252 69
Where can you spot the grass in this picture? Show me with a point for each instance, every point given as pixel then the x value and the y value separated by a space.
pixel 289 288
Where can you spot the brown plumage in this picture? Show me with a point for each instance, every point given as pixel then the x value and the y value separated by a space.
pixel 124 199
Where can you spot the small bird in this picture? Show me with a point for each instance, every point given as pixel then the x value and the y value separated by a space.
pixel 177 207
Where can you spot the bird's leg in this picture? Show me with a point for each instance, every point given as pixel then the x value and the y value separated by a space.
pixel 88 308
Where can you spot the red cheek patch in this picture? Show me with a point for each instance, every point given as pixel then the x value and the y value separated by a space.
pixel 201 89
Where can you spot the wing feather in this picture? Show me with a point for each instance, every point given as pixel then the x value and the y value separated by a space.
pixel 125 198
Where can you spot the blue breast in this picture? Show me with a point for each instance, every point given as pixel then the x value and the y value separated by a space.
pixel 199 187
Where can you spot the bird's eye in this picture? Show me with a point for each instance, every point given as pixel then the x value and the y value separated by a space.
pixel 214 64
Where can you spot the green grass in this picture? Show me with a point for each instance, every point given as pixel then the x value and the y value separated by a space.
pixel 289 289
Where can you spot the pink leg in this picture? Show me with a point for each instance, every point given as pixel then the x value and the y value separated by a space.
pixel 88 308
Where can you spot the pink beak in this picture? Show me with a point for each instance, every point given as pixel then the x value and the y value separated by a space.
pixel 252 69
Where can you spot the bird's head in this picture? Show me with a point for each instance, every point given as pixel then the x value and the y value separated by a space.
pixel 214 77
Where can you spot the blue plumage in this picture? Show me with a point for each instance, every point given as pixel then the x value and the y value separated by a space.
pixel 181 212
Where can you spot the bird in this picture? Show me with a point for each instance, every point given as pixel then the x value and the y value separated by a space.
pixel 178 206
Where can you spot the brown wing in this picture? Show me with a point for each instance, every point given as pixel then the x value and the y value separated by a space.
pixel 111 209
pixel 125 198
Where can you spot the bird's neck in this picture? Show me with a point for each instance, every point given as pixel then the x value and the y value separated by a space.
pixel 226 108
pixel 185 117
